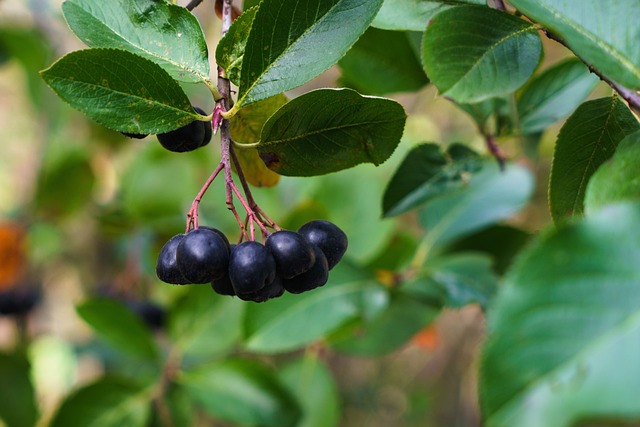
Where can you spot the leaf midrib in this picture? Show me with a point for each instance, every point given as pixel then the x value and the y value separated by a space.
pixel 283 53
pixel 619 56
pixel 490 49
pixel 177 65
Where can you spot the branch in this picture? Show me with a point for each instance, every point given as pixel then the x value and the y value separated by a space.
pixel 193 4
pixel 632 97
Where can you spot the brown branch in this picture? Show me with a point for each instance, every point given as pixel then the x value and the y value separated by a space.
pixel 193 4
pixel 631 96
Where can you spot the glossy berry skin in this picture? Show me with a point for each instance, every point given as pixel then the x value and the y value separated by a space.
pixel 251 267
pixel 202 256
pixel 223 286
pixel 219 233
pixel 328 237
pixel 167 266
pixel 291 251
pixel 274 289
pixel 187 138
pixel 317 275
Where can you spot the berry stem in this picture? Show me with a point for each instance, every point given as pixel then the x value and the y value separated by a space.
pixel 192 215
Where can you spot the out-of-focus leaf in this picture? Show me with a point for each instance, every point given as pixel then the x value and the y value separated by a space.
pixel 18 403
pixel 389 330
pixel 292 41
pixel 554 94
pixel 413 15
pixel 481 112
pixel 501 242
pixel 455 281
pixel 246 127
pixel 328 130
pixel 67 177
pixel 292 321
pixel 618 179
pixel 603 36
pixel 230 50
pixel 491 195
pixel 107 402
pixel 117 325
pixel 473 53
pixel 312 384
pixel 179 405
pixel 588 138
pixel 428 172
pixel 382 62
pixel 241 391
pixel 164 33
pixel 204 325
pixel 120 90
pixel 566 327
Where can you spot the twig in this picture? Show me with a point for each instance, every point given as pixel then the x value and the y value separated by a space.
pixel 632 97
pixel 495 151
pixel 193 4
pixel 499 4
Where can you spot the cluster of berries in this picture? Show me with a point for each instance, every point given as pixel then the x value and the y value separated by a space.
pixel 187 138
pixel 288 260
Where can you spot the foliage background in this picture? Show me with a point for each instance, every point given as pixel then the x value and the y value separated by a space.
pixel 95 207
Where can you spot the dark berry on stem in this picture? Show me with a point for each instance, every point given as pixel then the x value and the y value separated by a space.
pixel 274 289
pixel 328 237
pixel 223 286
pixel 202 256
pixel 219 233
pixel 291 251
pixel 187 138
pixel 251 267
pixel 167 267
pixel 317 275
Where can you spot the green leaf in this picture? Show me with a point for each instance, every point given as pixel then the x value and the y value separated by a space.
pixel 117 325
pixel 120 90
pixel 554 94
pixel 383 62
pixel 180 408
pixel 292 41
pixel 292 321
pixel 164 33
pixel 328 130
pixel 481 112
pixel 246 127
pixel 413 15
pixel 455 281
pixel 241 391
pixel 473 53
pixel 587 139
pixel 105 403
pixel 603 36
pixel 230 50
pixel 489 196
pixel 312 383
pixel 204 325
pixel 566 326
pixel 390 329
pixel 425 173
pixel 501 242
pixel 618 179
pixel 18 403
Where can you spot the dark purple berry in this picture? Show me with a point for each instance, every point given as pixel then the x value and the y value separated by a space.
pixel 202 256
pixel 18 301
pixel 167 267
pixel 187 138
pixel 315 277
pixel 274 289
pixel 329 238
pixel 292 252
pixel 153 315
pixel 219 233
pixel 223 286
pixel 251 267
